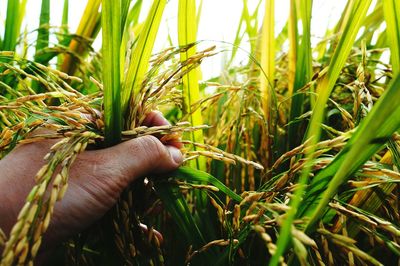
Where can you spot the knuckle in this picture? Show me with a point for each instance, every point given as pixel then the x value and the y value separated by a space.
pixel 152 148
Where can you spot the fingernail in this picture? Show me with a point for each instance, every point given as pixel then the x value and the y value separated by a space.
pixel 176 154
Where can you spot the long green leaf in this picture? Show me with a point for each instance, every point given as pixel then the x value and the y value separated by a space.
pixel 111 24
pixel 43 32
pixel 15 14
pixel 63 29
pixel 139 61
pixel 64 19
pixel 238 39
pixel 391 12
pixel 193 175
pixel 300 62
pixel 187 29
pixel 267 55
pixel 176 205
pixel 371 23
pixel 11 31
pixel 132 20
pixel 42 40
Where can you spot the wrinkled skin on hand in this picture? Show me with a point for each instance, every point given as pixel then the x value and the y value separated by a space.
pixel 97 178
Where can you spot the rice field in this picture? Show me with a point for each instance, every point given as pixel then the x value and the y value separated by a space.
pixel 291 157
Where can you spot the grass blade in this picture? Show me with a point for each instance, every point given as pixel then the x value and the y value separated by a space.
pixel 300 64
pixel 141 53
pixel 371 23
pixel 187 29
pixel 111 25
pixel 63 29
pixel 238 38
pixel 11 31
pixel 391 11
pixel 131 21
pixel 15 14
pixel 267 60
pixel 192 175
pixel 268 41
pixel 64 19
pixel 43 38
pixel 177 206
pixel 43 32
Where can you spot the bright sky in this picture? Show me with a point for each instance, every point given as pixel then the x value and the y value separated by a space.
pixel 219 19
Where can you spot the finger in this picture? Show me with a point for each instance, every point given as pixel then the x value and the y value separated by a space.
pixel 173 139
pixel 155 118
pixel 157 234
pixel 142 156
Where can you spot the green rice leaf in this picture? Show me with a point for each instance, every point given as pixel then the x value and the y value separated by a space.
pixel 111 24
pixel 371 24
pixel 131 21
pixel 176 205
pixel 300 63
pixel 391 12
pixel 43 32
pixel 63 29
pixel 139 61
pixel 187 29
pixel 238 38
pixel 42 40
pixel 267 60
pixel 64 19
pixel 193 175
pixel 124 13
pixel 15 14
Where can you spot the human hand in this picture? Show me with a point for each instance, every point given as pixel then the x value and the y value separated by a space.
pixel 97 178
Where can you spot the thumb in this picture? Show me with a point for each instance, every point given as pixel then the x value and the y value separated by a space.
pixel 143 156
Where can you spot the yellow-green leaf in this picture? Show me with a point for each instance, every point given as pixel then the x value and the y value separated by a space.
pixel 140 57
pixel 187 29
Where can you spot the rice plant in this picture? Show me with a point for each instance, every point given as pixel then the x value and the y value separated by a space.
pixel 291 157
